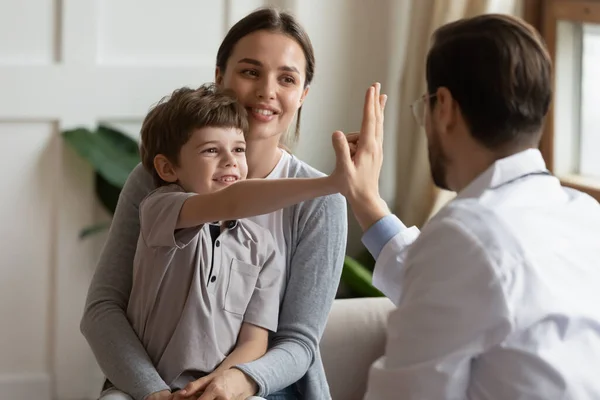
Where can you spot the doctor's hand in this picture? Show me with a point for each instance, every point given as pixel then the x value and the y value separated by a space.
pixel 359 158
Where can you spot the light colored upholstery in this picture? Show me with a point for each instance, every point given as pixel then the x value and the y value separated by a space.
pixel 353 339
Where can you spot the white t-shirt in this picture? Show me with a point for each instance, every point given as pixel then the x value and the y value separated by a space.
pixel 274 221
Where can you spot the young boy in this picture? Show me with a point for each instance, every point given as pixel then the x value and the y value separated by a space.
pixel 204 294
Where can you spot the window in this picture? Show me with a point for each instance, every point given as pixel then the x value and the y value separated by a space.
pixel 590 100
pixel 571 141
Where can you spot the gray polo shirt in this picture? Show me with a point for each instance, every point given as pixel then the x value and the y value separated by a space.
pixel 190 295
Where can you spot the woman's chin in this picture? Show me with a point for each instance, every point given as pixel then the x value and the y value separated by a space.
pixel 262 134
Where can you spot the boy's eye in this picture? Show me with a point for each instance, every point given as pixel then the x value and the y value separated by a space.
pixel 211 150
pixel 240 150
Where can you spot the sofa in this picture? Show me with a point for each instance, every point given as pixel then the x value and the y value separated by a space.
pixel 354 338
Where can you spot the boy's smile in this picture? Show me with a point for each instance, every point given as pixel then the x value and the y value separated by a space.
pixel 212 159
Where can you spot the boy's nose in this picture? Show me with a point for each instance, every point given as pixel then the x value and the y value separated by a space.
pixel 230 161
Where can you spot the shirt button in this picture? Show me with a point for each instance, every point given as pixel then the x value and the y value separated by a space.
pixel 214 278
pixel 217 243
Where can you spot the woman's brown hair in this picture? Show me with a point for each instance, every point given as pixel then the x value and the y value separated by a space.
pixel 271 20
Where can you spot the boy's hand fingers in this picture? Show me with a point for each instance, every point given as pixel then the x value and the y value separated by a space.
pixel 353 137
pixel 194 387
pixel 343 151
pixel 353 149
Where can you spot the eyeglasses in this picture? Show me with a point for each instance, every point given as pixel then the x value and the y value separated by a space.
pixel 418 108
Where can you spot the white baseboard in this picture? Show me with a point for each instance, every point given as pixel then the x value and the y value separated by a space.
pixel 25 387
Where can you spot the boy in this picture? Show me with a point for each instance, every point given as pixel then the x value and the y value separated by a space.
pixel 204 295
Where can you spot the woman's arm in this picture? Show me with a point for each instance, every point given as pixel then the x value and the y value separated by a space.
pixel 117 348
pixel 315 272
pixel 252 197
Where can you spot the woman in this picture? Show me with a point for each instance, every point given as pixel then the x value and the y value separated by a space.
pixel 267 59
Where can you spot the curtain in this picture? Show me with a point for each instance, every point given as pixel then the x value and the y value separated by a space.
pixel 416 197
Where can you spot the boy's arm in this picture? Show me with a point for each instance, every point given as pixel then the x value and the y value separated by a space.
pixel 262 312
pixel 252 197
pixel 315 271
pixel 159 213
pixel 251 345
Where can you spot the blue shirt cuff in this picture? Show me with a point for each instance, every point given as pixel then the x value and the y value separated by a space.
pixel 377 236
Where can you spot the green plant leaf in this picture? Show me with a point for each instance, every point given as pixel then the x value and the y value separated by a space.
pixel 112 154
pixel 365 259
pixel 119 139
pixel 94 229
pixel 107 193
pixel 359 279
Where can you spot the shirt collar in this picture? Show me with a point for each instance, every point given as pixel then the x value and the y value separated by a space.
pixel 504 170
pixel 230 224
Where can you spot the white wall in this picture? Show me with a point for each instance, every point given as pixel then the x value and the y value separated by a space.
pixel 356 43
pixel 80 62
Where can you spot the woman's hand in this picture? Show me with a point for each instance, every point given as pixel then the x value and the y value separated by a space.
pixel 231 384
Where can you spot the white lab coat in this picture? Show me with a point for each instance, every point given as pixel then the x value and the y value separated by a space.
pixel 499 297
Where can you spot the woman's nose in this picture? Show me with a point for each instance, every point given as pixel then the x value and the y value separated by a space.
pixel 266 89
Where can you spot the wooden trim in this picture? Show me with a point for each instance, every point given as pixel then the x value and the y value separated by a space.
pixel 549 12
pixel 532 13
pixel 548 31
pixel 577 10
pixel 583 184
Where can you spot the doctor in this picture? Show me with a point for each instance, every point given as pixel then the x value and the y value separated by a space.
pixel 499 296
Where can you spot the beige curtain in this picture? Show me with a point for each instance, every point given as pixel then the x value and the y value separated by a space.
pixel 416 197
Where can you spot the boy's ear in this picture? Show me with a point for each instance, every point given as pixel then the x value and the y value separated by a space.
pixel 165 169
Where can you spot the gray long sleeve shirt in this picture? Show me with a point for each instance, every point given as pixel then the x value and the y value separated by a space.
pixel 315 233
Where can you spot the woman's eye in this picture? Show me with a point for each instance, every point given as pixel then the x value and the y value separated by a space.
pixel 250 72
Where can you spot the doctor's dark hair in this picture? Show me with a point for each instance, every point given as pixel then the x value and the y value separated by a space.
pixel 499 72
pixel 271 20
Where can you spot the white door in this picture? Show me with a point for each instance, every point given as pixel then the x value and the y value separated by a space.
pixel 65 63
